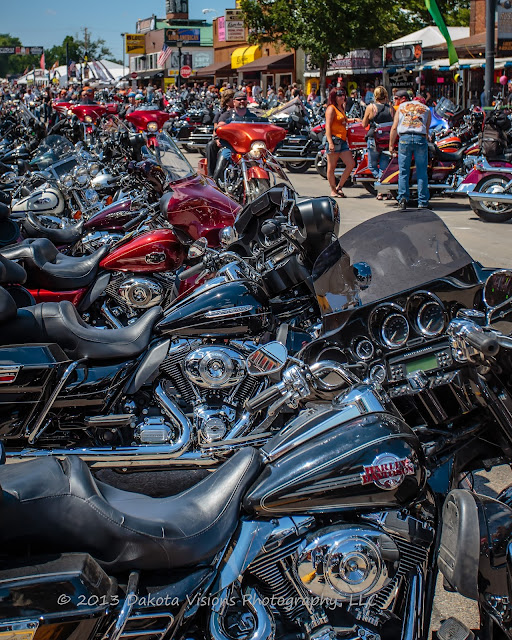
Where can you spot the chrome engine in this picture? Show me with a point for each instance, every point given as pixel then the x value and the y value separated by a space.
pixel 211 384
pixel 345 580
pixel 127 297
pixel 97 239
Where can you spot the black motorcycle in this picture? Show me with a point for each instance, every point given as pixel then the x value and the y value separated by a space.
pixel 331 529
pixel 171 387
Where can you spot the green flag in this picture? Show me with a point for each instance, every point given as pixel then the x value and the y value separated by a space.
pixel 438 19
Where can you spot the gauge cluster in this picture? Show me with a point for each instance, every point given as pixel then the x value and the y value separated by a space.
pixel 392 325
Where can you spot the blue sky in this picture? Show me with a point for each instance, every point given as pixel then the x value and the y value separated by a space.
pixel 47 22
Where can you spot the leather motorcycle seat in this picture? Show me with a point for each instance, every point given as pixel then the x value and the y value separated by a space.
pixel 11 272
pixel 443 156
pixel 8 308
pixel 58 506
pixel 61 323
pixel 50 269
pixel 69 235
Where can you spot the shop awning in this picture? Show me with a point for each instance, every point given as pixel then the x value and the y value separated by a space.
pixel 283 61
pixel 244 55
pixel 443 64
pixel 217 68
pixel 148 75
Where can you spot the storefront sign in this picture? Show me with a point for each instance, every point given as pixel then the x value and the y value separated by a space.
pixel 504 32
pixel 135 43
pixel 233 14
pixel 190 36
pixel 235 31
pixel 401 80
pixel 404 54
pixel 149 24
pixel 221 29
pixel 358 59
pixel 202 59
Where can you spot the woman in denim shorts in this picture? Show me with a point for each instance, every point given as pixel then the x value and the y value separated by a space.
pixel 336 138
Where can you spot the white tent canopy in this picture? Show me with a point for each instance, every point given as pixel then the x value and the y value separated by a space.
pixel 99 73
pixel 430 36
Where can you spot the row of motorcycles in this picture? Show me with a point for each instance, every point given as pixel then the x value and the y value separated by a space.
pixel 241 426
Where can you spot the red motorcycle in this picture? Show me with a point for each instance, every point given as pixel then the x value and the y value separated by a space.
pixel 250 168
pixel 138 272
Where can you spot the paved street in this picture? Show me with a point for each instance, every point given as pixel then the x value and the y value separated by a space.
pixel 487 243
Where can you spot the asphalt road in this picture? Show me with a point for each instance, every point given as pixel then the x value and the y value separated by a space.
pixel 489 243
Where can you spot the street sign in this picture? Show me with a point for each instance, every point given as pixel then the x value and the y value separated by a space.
pixel 133 75
pixel 186 71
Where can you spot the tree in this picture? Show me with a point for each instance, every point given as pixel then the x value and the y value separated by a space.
pixel 58 52
pixel 325 28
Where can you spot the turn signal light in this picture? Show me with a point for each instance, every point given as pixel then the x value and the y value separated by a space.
pixel 77 215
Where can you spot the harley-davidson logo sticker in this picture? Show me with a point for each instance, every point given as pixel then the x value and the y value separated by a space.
pixel 387 471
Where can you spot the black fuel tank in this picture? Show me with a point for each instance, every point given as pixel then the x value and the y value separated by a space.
pixel 327 461
pixel 223 309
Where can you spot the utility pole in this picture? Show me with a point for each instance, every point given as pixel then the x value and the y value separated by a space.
pixel 490 19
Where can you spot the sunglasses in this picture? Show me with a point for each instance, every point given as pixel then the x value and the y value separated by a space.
pixel 240 99
pixel 341 94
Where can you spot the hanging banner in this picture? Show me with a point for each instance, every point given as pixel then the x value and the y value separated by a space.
pixel 190 36
pixel 504 32
pixel 221 29
pixel 135 43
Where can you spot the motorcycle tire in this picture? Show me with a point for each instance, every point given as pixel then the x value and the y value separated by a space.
pixel 370 188
pixel 489 211
pixel 321 166
pixel 298 167
pixel 257 186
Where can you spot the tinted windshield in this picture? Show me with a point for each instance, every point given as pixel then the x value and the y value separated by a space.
pixel 51 150
pixel 445 108
pixel 170 158
pixel 404 250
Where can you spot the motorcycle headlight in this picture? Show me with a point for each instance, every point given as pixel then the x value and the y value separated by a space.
pixel 91 196
pixel 70 113
pixel 88 119
pixel 67 181
pixel 257 148
pixel 94 169
pixel 152 126
pixel 81 176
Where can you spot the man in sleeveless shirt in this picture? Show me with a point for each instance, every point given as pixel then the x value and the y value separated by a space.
pixel 411 124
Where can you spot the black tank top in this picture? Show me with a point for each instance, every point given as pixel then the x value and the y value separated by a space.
pixel 384 114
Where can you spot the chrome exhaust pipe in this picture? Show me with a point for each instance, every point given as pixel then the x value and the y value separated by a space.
pixel 141 456
pixel 295 158
pixel 264 627
pixel 501 198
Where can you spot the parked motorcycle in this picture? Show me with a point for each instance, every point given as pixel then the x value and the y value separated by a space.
pixel 331 530
pixel 491 195
pixel 137 389
pixel 251 168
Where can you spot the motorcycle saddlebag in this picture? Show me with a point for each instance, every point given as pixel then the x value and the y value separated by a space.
pixel 59 586
pixel 26 371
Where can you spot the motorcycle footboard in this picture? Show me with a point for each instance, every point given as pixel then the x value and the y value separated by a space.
pixel 56 587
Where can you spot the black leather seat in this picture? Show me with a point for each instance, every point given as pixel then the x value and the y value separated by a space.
pixel 61 323
pixel 34 229
pixel 57 506
pixel 49 269
pixel 11 272
pixel 443 156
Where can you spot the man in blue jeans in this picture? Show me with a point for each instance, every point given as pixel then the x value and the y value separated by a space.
pixel 411 124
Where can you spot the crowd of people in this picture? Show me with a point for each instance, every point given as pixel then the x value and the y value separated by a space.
pixel 371 105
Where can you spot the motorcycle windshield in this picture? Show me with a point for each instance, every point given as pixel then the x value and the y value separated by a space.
pixel 445 108
pixel 165 152
pixel 51 150
pixel 404 250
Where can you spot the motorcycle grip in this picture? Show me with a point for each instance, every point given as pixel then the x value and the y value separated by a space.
pixel 191 271
pixel 263 399
pixel 486 343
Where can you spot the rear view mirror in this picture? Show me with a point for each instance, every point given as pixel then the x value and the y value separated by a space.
pixel 198 248
pixel 269 358
pixel 498 289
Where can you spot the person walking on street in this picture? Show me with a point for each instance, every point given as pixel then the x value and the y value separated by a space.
pixel 378 112
pixel 336 138
pixel 411 124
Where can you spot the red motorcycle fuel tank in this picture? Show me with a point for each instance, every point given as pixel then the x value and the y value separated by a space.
pixel 196 208
pixel 112 217
pixel 153 251
pixel 327 460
